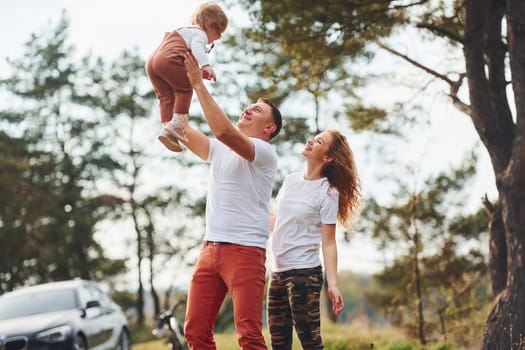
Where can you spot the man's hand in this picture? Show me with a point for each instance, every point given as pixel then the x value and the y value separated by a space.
pixel 192 70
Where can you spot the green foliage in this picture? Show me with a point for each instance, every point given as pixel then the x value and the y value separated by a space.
pixel 441 346
pixel 444 19
pixel 401 347
pixel 338 24
pixel 73 128
pixel 353 288
pixel 309 47
pixel 53 153
pixel 340 337
pixel 364 118
pixel 450 277
pixel 124 299
pixel 142 338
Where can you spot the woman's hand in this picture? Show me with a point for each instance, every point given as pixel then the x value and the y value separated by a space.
pixel 337 300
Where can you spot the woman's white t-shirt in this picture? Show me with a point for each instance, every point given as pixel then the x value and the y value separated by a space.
pixel 302 206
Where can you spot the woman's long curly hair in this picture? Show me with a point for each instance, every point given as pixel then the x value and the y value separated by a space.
pixel 341 172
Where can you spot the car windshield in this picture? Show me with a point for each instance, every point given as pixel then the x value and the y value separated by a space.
pixel 37 302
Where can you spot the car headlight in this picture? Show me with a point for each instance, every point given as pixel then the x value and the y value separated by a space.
pixel 54 335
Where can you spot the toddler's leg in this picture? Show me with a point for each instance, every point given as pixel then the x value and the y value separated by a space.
pixel 181 108
pixel 163 90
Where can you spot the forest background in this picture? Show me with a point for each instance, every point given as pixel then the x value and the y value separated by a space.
pixel 88 192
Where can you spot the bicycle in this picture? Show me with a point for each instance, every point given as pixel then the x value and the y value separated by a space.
pixel 167 325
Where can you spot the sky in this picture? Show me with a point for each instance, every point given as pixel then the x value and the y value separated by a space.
pixel 104 26
pixel 107 27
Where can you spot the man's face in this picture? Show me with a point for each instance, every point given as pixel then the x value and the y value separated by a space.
pixel 255 118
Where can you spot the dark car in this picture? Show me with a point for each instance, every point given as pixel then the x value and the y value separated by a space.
pixel 64 315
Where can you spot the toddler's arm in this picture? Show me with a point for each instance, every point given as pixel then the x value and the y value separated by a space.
pixel 208 73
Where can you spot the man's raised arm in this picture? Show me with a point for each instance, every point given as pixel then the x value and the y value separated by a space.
pixel 220 125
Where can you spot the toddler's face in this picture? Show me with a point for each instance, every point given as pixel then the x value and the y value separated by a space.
pixel 213 32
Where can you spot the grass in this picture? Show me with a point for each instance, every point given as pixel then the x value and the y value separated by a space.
pixel 335 337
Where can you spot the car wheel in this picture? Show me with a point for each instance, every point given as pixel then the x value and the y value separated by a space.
pixel 80 343
pixel 124 343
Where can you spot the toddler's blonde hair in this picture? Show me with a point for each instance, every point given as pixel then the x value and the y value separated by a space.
pixel 210 15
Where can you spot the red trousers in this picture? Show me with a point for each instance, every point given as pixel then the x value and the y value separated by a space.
pixel 238 270
pixel 165 68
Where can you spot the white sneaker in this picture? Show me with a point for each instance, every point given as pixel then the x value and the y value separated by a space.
pixel 176 128
pixel 170 141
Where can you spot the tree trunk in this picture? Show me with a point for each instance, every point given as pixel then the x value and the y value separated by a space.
pixel 419 294
pixel 140 303
pixel 505 142
pixel 140 291
pixel 497 248
pixel 442 323
pixel 156 300
pixel 151 253
pixel 506 323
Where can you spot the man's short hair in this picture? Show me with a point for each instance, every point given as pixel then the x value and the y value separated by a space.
pixel 276 114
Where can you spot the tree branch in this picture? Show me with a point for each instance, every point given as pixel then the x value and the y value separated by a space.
pixel 487 204
pixel 454 85
pixel 440 32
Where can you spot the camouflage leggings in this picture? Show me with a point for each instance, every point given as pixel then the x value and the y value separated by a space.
pixel 293 300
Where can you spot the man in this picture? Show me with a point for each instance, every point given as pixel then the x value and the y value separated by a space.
pixel 232 258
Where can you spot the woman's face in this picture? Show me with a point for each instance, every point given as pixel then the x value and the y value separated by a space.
pixel 317 148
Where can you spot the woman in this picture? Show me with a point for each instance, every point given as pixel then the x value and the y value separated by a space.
pixel 309 205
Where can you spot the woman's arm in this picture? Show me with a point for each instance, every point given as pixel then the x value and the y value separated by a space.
pixel 329 248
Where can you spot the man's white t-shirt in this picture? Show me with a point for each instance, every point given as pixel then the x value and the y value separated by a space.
pixel 302 206
pixel 239 192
